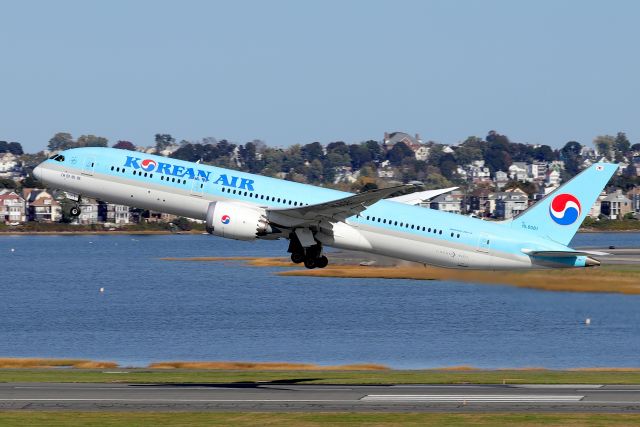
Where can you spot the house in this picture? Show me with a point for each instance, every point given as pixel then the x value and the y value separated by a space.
pixel 500 179
pixel 543 191
pixel 478 172
pixel 41 206
pixel 9 165
pixel 634 196
pixel 482 202
pixel 511 203
pixel 536 171
pixel 113 214
pixel 615 205
pixel 12 207
pixel 391 139
pixel 519 171
pixel 447 203
pixel 422 152
pixel 88 211
pixel 552 177
pixel 596 208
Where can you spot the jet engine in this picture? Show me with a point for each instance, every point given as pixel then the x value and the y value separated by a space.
pixel 236 221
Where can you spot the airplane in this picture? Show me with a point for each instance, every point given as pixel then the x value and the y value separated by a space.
pixel 243 206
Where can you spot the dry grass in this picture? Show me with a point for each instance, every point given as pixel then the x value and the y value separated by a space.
pixel 265 366
pixel 576 280
pixel 604 369
pixel 54 363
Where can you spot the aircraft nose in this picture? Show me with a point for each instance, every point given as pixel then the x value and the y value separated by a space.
pixel 37 173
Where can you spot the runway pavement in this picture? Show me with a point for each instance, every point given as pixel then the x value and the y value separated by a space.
pixel 292 397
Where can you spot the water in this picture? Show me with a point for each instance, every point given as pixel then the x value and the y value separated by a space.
pixel 154 310
pixel 604 240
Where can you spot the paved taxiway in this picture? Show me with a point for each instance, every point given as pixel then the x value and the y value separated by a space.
pixel 292 397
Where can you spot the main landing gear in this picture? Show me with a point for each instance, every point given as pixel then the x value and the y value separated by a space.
pixel 312 256
pixel 66 199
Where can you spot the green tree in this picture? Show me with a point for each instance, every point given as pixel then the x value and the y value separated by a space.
pixel 61 141
pixel 8 183
pixel 375 150
pixel 163 140
pixel 604 144
pixel 312 151
pixel 544 153
pixel 91 141
pixel 11 147
pixel 315 171
pixel 465 154
pixel 570 154
pixel 621 146
pixel 398 153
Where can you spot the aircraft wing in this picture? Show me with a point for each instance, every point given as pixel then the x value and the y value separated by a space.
pixel 420 196
pixel 563 254
pixel 334 210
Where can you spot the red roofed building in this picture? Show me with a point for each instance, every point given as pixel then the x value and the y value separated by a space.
pixel 12 207
pixel 41 206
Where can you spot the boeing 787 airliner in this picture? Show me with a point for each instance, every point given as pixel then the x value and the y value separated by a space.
pixel 244 206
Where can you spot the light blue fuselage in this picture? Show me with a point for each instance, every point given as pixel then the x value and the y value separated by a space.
pixel 388 228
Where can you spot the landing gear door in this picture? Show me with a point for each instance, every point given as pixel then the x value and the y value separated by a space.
pixel 88 166
pixel 484 243
pixel 197 186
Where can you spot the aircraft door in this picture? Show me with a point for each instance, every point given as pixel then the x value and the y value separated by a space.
pixel 197 186
pixel 88 166
pixel 484 243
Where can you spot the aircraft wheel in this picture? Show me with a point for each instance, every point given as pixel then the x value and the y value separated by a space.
pixel 74 211
pixel 310 263
pixel 322 262
pixel 297 258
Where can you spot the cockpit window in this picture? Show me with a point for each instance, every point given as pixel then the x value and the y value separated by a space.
pixel 53 157
pixel 59 158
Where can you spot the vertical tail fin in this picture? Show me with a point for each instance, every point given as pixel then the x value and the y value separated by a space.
pixel 559 214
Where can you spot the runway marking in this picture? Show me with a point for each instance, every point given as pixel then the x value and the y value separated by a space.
pixel 471 398
pixel 462 386
pixel 571 386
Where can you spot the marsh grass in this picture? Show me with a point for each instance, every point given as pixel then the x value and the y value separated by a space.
pixel 620 279
pixel 12 363
pixel 623 279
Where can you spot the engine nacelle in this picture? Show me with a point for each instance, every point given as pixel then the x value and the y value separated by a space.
pixel 235 221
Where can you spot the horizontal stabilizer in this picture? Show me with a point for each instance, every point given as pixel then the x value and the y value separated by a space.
pixel 563 254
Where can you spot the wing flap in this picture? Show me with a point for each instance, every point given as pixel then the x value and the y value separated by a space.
pixel 420 196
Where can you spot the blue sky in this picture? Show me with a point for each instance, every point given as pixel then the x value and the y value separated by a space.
pixel 295 72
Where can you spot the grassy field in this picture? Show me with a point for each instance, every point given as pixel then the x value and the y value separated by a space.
pixel 433 376
pixel 113 419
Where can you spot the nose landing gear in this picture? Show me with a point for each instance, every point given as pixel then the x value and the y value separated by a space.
pixel 75 211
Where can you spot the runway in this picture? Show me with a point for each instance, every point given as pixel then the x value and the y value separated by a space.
pixel 291 397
